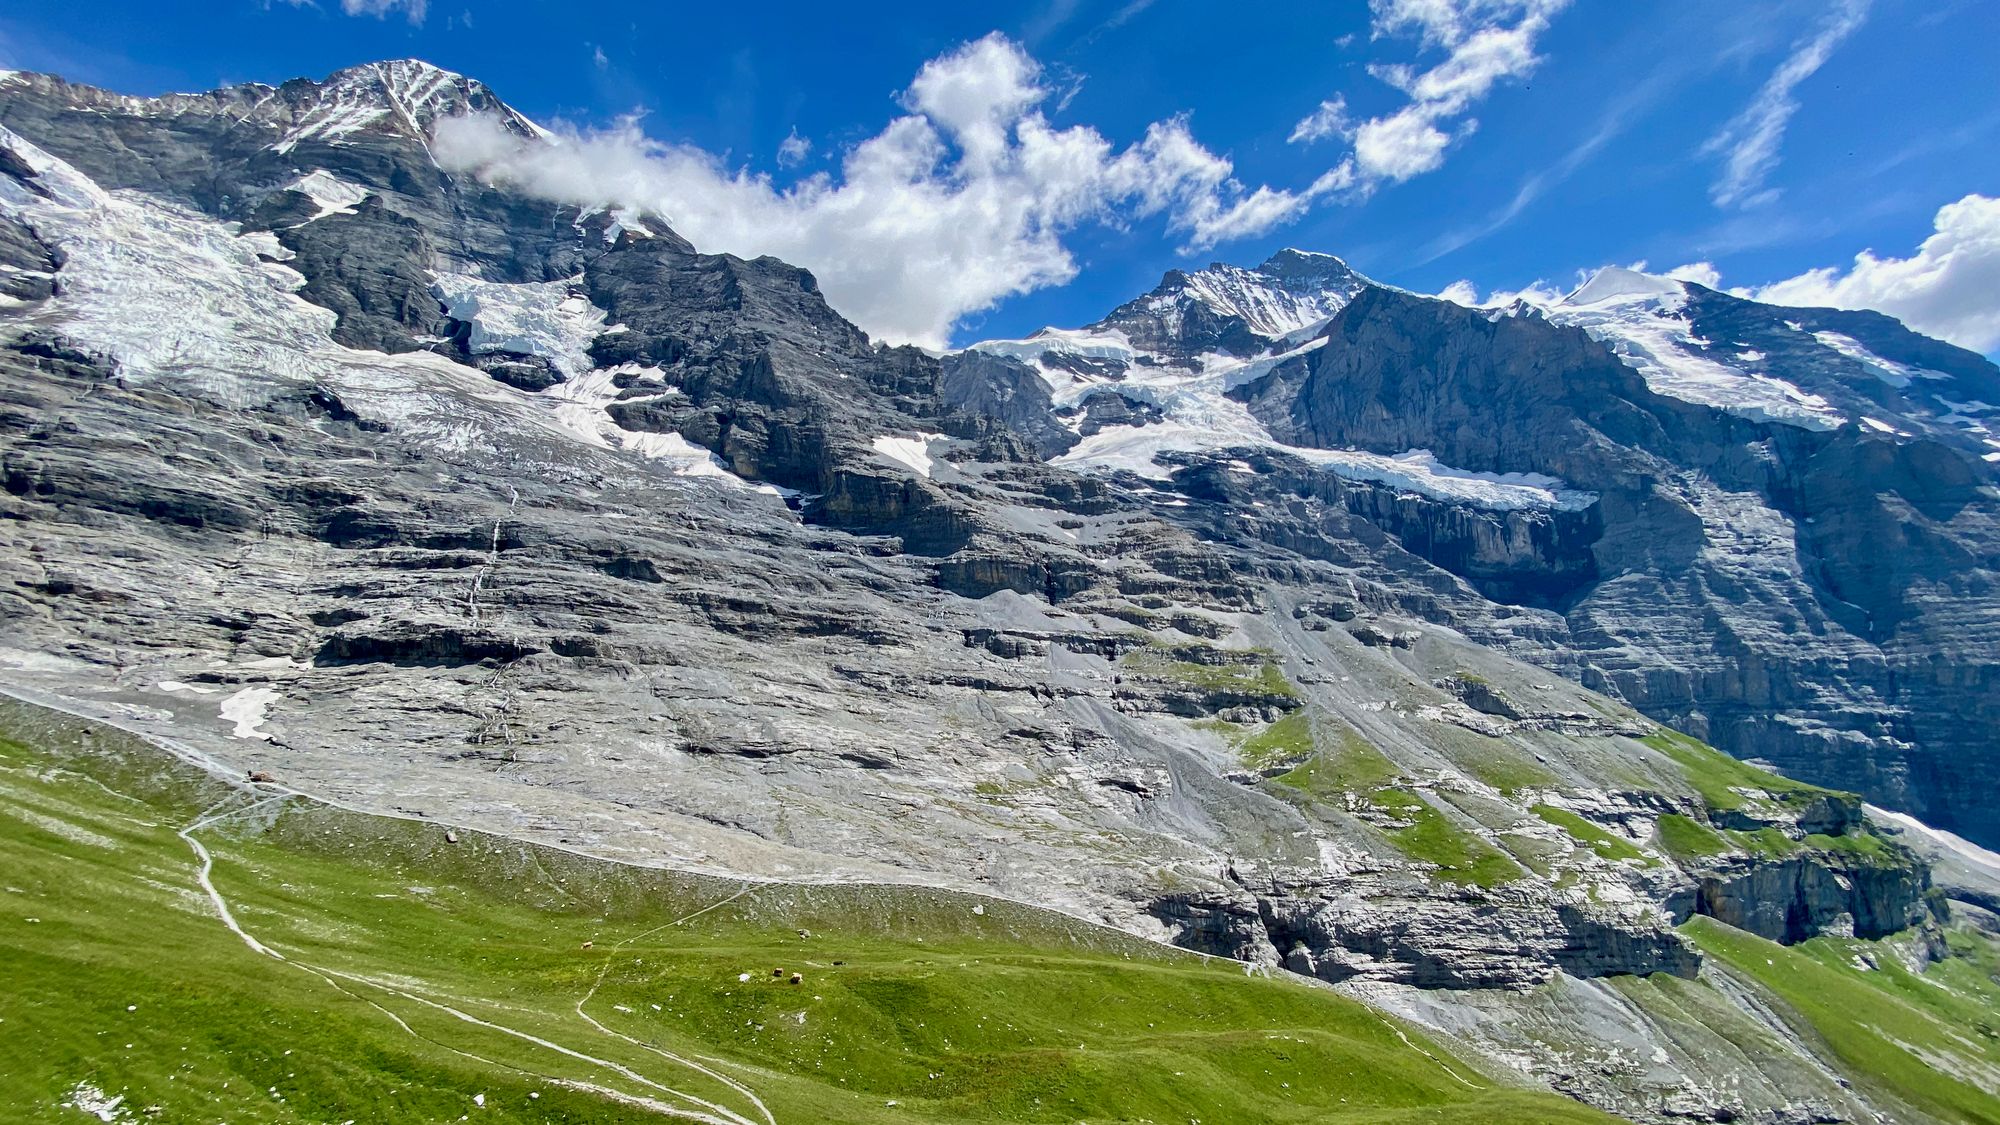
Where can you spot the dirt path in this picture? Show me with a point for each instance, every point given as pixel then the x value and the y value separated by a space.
pixel 709 1112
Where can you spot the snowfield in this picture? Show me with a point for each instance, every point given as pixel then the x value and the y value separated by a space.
pixel 1637 316
pixel 175 298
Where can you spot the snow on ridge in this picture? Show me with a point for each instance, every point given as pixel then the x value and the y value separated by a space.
pixel 1638 317
pixel 409 91
pixel 1264 302
pixel 1135 449
pixel 1615 283
pixel 1895 374
pixel 1107 346
pixel 342 109
pixel 1108 343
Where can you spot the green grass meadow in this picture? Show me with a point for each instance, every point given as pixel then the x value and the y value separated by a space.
pixel 418 979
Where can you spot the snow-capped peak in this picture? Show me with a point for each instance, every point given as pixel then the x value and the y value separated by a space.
pixel 1293 265
pixel 1289 293
pixel 1615 283
pixel 410 95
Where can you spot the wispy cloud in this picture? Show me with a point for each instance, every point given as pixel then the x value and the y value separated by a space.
pixel 1750 142
pixel 1618 117
pixel 1329 120
pixel 1048 20
pixel 1132 10
pixel 1485 43
pixel 965 199
pixel 793 150
pixel 413 10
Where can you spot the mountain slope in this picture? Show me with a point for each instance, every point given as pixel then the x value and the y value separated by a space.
pixel 436 499
pixel 476 975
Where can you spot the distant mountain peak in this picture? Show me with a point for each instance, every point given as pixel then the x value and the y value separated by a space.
pixel 1289 292
pixel 1293 263
pixel 1614 283
pixel 409 93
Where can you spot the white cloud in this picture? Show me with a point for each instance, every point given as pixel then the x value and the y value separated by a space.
pixel 1949 288
pixel 1398 147
pixel 1462 292
pixel 599 58
pixel 1329 120
pixel 961 202
pixel 415 10
pixel 1701 273
pixel 793 150
pixel 1534 293
pixel 1749 143
pixel 1485 42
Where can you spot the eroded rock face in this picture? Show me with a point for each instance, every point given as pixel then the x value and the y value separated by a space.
pixel 1798 898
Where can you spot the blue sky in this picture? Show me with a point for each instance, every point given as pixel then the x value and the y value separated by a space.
pixel 1504 142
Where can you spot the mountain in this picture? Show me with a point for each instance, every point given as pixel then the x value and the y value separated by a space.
pixel 1280 616
pixel 1773 527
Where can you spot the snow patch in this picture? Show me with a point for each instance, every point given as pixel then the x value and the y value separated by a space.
pixel 914 453
pixel 1419 471
pixel 1888 370
pixel 247 709
pixel 331 194
pixel 1135 449
pixel 551 319
pixel 626 221
pixel 265 244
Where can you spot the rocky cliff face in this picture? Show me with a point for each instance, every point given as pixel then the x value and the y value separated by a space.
pixel 1827 610
pixel 433 497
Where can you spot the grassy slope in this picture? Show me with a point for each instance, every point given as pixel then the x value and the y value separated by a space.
pixel 1926 1040
pixel 1721 779
pixel 121 974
